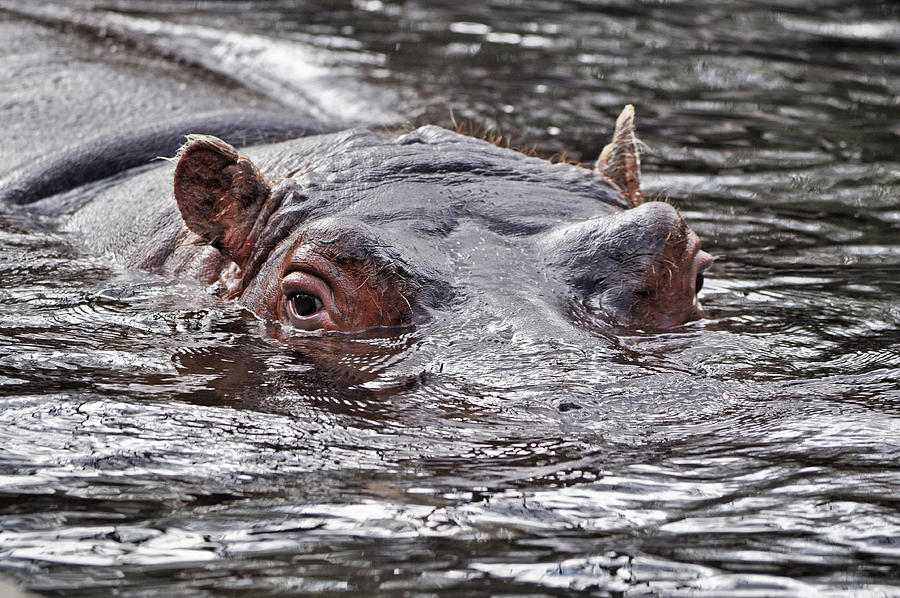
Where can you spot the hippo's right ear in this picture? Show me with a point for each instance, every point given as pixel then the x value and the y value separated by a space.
pixel 219 194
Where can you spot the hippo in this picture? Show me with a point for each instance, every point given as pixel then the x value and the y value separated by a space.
pixel 358 231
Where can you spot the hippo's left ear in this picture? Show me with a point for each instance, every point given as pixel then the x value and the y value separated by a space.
pixel 620 161
pixel 219 194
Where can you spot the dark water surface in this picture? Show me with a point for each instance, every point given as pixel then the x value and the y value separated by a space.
pixel 155 440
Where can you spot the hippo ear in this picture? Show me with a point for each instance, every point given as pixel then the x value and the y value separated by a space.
pixel 219 194
pixel 620 161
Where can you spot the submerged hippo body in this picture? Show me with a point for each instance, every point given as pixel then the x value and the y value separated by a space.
pixel 354 230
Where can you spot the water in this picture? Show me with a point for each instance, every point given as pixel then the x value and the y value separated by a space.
pixel 157 440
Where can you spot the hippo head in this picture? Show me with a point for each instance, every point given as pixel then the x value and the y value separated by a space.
pixel 353 231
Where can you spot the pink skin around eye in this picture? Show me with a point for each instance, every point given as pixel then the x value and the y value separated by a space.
pixel 351 296
pixel 307 284
pixel 676 301
pixel 701 262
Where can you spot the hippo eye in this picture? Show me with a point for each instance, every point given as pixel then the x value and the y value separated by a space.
pixel 304 305
pixel 699 284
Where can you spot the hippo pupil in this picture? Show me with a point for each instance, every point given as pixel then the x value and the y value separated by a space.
pixel 699 283
pixel 305 305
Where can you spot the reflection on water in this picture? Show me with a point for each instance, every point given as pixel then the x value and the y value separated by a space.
pixel 155 439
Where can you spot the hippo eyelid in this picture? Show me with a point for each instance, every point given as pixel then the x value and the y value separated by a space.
pixel 300 283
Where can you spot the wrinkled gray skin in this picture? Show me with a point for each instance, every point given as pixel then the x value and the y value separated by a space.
pixel 418 225
pixel 422 222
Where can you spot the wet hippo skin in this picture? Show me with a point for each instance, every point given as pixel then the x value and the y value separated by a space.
pixel 355 231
